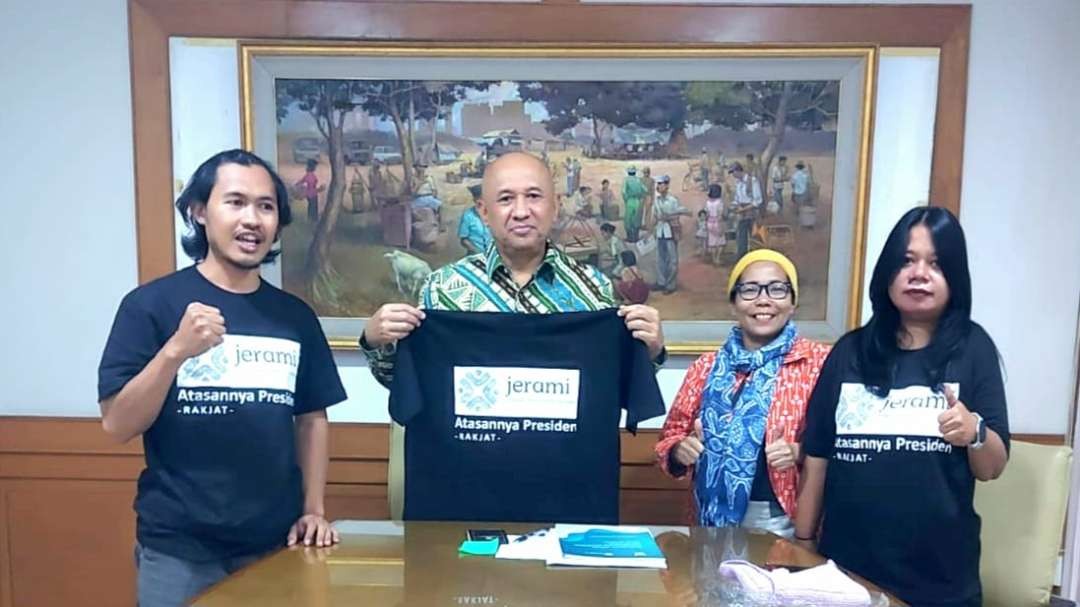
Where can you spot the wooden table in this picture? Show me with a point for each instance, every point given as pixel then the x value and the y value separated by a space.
pixel 417 564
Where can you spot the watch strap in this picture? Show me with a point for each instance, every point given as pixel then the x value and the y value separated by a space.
pixel 980 432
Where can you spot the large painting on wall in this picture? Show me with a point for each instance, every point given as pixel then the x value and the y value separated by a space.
pixel 382 151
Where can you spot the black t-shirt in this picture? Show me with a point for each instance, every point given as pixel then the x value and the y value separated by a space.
pixel 761 490
pixel 898 498
pixel 515 417
pixel 221 476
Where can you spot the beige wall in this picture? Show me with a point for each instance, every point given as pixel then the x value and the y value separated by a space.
pixel 70 251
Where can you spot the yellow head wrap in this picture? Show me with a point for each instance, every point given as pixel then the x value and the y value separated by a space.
pixel 764 255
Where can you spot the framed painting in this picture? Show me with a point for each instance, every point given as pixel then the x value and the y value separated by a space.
pixel 763 147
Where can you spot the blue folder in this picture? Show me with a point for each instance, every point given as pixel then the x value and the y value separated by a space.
pixel 608 543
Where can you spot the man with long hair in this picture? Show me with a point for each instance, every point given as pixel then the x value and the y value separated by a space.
pixel 227 379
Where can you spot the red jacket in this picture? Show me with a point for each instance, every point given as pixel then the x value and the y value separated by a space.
pixel 798 374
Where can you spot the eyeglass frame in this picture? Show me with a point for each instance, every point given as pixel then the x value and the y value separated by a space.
pixel 763 288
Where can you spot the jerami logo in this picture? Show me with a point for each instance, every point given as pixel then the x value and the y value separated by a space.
pixel 516 392
pixel 910 411
pixel 244 361
pixel 267 355
pixel 521 386
pixel 476 390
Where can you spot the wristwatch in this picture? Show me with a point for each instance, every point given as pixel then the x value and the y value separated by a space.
pixel 980 432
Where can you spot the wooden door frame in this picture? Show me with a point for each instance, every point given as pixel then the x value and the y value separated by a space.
pixel 153 22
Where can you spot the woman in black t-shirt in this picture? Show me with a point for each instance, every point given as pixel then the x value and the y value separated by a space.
pixel 908 411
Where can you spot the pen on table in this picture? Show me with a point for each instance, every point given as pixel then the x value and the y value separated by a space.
pixel 538 532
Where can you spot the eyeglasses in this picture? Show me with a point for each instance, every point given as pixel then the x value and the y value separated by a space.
pixel 749 291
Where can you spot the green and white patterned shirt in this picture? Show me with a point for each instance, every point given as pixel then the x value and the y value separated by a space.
pixel 482 283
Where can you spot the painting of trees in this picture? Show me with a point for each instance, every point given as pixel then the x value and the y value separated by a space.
pixel 442 95
pixel 606 126
pixel 328 102
pixel 774 105
pixel 655 105
pixel 403 103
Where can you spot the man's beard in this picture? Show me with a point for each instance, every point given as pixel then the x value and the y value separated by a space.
pixel 244 266
pixel 226 260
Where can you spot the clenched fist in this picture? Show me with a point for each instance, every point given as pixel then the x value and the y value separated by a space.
pixel 688 450
pixel 201 328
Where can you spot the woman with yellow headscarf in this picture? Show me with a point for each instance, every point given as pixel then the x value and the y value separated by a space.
pixel 736 421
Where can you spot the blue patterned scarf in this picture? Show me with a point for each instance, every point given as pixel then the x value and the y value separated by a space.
pixel 733 421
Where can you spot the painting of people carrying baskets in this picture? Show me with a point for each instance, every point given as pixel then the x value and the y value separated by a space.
pixel 383 173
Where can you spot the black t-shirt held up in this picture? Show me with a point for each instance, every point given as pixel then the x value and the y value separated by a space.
pixel 515 417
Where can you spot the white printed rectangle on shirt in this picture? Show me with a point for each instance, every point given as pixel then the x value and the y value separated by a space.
pixel 911 411
pixel 516 392
pixel 244 361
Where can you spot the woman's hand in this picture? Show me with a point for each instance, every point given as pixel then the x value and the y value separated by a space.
pixel 779 453
pixel 957 424
pixel 687 451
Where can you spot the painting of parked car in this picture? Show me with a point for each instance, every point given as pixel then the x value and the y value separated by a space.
pixel 447 153
pixel 387 154
pixel 306 148
pixel 357 152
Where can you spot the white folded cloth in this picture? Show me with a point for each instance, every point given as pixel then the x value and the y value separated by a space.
pixel 824 585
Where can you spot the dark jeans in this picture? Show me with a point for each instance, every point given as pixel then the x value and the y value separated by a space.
pixel 667 263
pixel 163 580
pixel 742 236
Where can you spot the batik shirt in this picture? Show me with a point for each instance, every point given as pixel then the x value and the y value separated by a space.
pixel 483 283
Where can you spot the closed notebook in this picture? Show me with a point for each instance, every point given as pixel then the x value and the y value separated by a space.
pixel 607 546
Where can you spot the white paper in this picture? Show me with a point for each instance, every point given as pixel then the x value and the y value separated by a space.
pixel 539 546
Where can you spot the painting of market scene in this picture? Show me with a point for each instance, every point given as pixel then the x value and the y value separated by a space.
pixel 382 176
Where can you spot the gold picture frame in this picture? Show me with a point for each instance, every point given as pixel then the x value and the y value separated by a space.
pixel 854 67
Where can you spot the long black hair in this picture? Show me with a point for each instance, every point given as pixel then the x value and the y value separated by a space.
pixel 198 190
pixel 877 344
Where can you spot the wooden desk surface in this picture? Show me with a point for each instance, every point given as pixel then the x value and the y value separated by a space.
pixel 381 563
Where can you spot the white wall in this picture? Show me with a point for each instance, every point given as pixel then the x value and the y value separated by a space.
pixel 904 114
pixel 69 217
pixel 1023 80
pixel 1021 220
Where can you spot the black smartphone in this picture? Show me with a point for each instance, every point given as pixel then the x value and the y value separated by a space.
pixel 487 534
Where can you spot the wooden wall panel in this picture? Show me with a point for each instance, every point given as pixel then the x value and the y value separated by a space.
pixel 153 141
pixel 67 528
pixel 6 599
pixel 66 492
pixel 70 542
pixel 652 507
pixel 358 502
pixel 946 172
